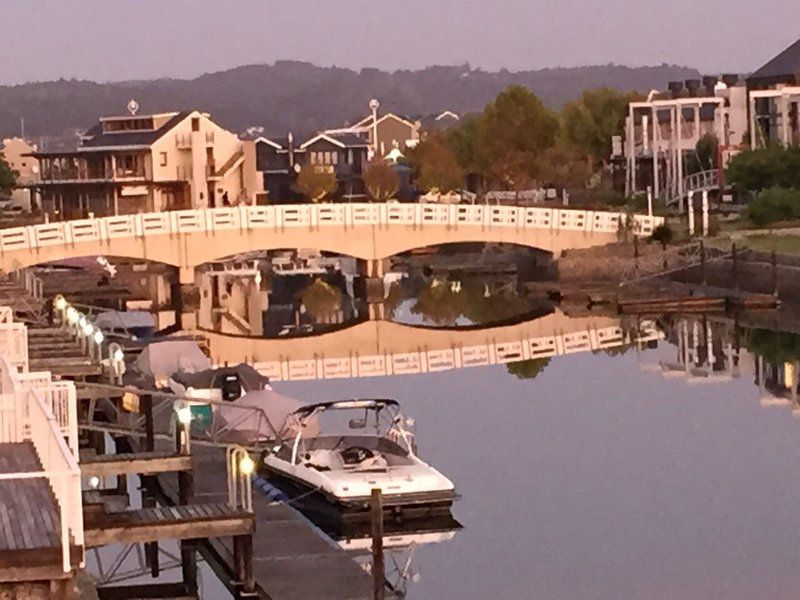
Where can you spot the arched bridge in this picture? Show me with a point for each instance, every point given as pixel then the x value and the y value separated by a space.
pixel 378 348
pixel 189 238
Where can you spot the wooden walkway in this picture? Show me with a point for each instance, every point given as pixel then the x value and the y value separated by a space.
pixel 30 527
pixel 291 558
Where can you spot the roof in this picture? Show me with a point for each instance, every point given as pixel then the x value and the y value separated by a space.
pixel 95 137
pixel 785 65
pixel 343 140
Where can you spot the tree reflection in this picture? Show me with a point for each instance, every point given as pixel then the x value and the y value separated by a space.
pixel 776 347
pixel 527 369
pixel 321 300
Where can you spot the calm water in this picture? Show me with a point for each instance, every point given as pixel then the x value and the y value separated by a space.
pixel 602 478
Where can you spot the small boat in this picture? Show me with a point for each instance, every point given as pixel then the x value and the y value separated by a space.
pixel 345 466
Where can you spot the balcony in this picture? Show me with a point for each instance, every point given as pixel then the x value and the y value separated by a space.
pixel 183 141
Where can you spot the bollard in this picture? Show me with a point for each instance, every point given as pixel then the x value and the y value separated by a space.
pixel 378 569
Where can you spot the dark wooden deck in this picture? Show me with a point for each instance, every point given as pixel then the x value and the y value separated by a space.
pixel 143 463
pixel 30 526
pixel 166 522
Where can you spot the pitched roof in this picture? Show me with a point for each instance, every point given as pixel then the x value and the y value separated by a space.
pixel 786 64
pixel 343 140
pixel 95 137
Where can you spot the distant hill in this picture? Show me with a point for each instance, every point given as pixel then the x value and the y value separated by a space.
pixel 301 97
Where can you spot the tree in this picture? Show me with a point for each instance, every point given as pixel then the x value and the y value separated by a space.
pixel 774 205
pixel 663 235
pixel 563 165
pixel 590 122
pixel 764 168
pixel 321 300
pixel 8 177
pixel 381 180
pixel 436 165
pixel 315 183
pixel 514 131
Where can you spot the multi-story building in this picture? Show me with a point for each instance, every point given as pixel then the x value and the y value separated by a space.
pixel 144 163
pixel 17 153
pixel 662 133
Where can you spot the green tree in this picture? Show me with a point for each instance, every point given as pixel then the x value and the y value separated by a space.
pixel 764 168
pixel 590 122
pixel 381 181
pixel 321 299
pixel 8 177
pixel 527 369
pixel 315 183
pixel 436 165
pixel 439 304
pixel 663 235
pixel 774 205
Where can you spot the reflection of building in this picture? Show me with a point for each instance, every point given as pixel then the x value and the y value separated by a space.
pixel 16 152
pixel 146 163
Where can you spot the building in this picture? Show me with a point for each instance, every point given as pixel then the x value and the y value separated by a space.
pixel 17 152
pixel 148 163
pixel 388 135
pixel 279 160
pixel 774 96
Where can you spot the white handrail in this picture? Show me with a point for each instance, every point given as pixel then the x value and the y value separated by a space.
pixel 315 216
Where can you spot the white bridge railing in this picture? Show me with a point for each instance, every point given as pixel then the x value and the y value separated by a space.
pixel 27 406
pixel 315 216
pixel 432 360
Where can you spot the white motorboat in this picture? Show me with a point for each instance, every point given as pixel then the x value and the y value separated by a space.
pixel 376 450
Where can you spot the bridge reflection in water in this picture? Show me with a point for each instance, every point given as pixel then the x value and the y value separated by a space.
pixel 382 348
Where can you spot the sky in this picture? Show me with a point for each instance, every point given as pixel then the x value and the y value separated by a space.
pixel 111 40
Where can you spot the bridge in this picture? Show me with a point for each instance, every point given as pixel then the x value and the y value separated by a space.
pixel 381 348
pixel 189 238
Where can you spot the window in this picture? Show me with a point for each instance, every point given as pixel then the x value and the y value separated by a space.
pixel 334 158
pixel 163 159
pixel 195 123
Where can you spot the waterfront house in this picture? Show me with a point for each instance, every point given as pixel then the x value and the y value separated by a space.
pixel 17 153
pixel 146 163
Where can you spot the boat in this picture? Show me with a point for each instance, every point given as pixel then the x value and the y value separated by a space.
pixel 375 450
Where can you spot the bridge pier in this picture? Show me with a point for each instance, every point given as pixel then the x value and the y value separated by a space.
pixel 186 299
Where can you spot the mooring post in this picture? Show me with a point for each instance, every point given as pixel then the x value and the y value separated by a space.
pixel 189 566
pixel 735 266
pixel 146 405
pixel 378 569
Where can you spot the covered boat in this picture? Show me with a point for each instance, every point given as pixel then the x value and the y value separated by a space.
pixel 375 450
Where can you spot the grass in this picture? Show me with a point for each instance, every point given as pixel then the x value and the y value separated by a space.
pixel 782 244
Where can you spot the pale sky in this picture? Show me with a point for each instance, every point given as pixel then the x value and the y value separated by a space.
pixel 108 40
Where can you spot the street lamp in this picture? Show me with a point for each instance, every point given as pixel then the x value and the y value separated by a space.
pixel 374 105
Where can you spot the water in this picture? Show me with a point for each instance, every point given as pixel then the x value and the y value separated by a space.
pixel 601 478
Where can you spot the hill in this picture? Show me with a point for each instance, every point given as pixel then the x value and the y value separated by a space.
pixel 301 97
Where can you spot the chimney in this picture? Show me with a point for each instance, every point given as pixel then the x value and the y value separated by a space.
pixel 676 87
pixel 692 85
pixel 730 79
pixel 710 82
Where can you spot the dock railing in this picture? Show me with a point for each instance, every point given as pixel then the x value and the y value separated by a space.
pixel 26 416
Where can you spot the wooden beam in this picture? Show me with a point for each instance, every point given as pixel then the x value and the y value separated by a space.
pixel 144 591
pixel 143 463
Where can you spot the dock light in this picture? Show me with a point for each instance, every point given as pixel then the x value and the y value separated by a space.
pixel 247 465
pixel 184 414
pixel 61 302
pixel 72 315
pixel 98 337
pixel 119 355
pixel 87 329
pixel 94 482
pixel 82 321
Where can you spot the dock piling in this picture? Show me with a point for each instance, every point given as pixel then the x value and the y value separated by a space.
pixel 378 568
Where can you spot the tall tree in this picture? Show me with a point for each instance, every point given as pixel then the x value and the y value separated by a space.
pixel 590 122
pixel 322 300
pixel 8 177
pixel 436 164
pixel 315 183
pixel 381 180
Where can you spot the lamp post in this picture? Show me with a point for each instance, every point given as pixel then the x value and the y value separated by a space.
pixel 374 105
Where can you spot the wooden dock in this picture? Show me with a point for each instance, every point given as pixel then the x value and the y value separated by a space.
pixel 30 526
pixel 292 560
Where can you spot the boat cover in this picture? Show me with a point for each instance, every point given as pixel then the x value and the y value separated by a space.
pixel 250 379
pixel 250 425
pixel 161 360
pixel 129 319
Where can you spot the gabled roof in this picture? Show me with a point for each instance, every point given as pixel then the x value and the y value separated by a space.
pixel 785 65
pixel 367 121
pixel 343 140
pixel 96 137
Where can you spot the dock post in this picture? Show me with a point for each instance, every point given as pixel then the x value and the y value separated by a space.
pixel 189 566
pixel 378 569
pixel 735 266
pixel 774 259
pixel 147 407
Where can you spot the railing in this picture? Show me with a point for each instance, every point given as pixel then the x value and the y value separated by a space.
pixel 26 416
pixel 245 218
pixel 697 182
pixel 457 357
pixel 14 344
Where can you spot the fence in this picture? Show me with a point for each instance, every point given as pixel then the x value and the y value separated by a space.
pixel 26 416
pixel 315 217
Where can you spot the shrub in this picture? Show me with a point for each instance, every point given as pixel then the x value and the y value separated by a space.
pixel 773 166
pixel 663 235
pixel 773 205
